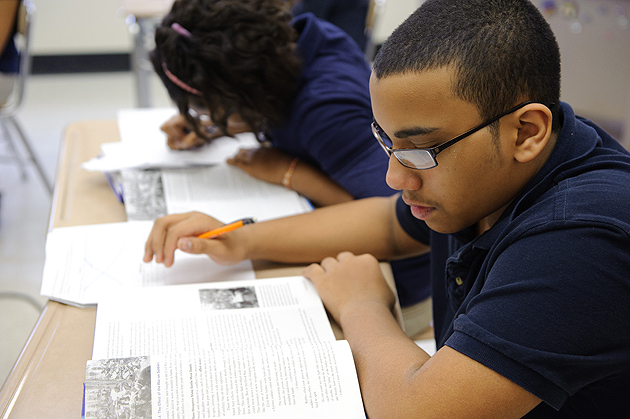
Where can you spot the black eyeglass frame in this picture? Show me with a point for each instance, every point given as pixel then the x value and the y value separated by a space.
pixel 432 152
pixel 202 120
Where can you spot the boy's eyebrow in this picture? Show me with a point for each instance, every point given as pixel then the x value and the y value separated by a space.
pixel 412 132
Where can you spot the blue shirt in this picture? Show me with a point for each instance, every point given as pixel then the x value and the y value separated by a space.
pixel 328 126
pixel 543 297
pixel 349 15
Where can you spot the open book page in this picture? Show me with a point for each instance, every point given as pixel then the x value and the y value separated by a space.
pixel 200 317
pixel 84 263
pixel 287 381
pixel 250 349
pixel 228 193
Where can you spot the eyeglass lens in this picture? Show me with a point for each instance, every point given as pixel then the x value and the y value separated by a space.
pixel 415 159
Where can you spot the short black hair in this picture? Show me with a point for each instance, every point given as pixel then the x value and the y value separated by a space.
pixel 502 51
pixel 240 54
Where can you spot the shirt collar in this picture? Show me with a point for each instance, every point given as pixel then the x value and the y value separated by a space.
pixel 309 37
pixel 566 151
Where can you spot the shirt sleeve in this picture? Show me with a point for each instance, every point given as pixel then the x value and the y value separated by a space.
pixel 336 131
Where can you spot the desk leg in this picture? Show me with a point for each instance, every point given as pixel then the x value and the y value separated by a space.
pixel 142 30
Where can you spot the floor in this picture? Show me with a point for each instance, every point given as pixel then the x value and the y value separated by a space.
pixel 51 102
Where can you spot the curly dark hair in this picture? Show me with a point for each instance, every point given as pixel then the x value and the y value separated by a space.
pixel 238 54
pixel 502 51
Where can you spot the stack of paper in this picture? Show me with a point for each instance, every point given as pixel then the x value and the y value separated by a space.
pixel 143 145
pixel 153 180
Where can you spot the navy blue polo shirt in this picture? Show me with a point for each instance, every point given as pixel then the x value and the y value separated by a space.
pixel 349 15
pixel 328 126
pixel 543 297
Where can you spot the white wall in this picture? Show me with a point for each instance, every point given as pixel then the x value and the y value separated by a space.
pixel 79 27
pixel 594 39
pixel 391 13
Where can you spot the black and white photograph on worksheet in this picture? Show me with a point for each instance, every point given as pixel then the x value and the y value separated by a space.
pixel 143 194
pixel 228 298
pixel 118 388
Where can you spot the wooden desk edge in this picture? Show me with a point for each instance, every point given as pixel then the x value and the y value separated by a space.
pixel 27 366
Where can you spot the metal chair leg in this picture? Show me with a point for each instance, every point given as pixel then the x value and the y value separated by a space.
pixel 9 138
pixel 31 154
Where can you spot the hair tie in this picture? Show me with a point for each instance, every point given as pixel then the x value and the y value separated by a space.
pixel 181 30
pixel 172 77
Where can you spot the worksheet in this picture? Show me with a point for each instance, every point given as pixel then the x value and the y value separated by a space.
pixel 85 263
pixel 143 145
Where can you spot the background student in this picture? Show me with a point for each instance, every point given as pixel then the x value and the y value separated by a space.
pixel 301 85
pixel 524 206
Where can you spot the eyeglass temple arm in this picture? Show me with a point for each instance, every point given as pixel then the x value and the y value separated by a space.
pixel 447 144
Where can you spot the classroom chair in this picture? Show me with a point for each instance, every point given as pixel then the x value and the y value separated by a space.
pixel 10 107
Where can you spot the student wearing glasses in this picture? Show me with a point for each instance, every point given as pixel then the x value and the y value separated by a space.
pixel 302 86
pixel 525 208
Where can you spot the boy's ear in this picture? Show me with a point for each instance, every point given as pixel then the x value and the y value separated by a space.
pixel 534 130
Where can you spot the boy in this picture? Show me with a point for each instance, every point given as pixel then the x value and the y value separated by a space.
pixel 524 206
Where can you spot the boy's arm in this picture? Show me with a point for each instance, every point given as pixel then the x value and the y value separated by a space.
pixel 397 378
pixel 361 226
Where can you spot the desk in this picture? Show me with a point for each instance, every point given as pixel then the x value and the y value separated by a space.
pixel 47 379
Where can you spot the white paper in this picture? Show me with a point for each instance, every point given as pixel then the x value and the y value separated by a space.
pixel 288 381
pixel 249 349
pixel 199 317
pixel 117 156
pixel 84 263
pixel 227 193
pixel 141 126
pixel 143 145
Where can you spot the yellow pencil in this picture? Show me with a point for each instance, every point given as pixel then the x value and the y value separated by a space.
pixel 226 228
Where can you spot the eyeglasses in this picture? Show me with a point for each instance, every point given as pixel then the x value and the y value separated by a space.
pixel 203 121
pixel 199 115
pixel 424 158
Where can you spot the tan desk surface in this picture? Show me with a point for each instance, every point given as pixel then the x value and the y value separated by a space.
pixel 47 379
